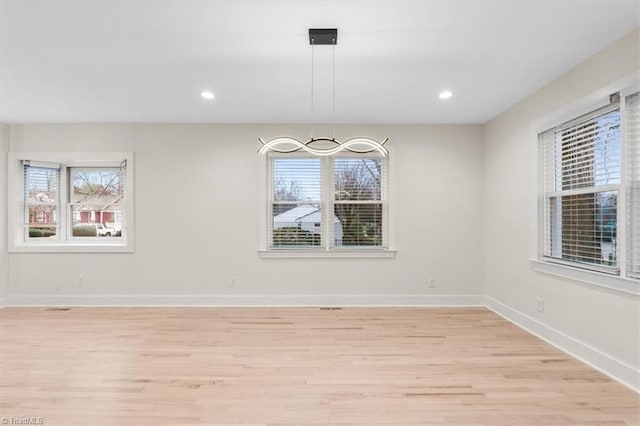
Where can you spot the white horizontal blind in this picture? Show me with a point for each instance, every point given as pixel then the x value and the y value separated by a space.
pixel 581 163
pixel 41 200
pixel 359 202
pixel 549 244
pixel 632 127
pixel 296 202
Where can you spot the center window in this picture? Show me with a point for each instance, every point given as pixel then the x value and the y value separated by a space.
pixel 333 202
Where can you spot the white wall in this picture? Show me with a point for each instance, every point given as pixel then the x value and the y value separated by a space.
pixel 598 323
pixel 197 220
pixel 4 145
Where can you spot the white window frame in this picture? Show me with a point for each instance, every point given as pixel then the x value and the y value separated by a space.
pixel 619 282
pixel 327 250
pixel 66 243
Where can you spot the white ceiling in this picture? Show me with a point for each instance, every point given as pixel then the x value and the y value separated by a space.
pixel 148 61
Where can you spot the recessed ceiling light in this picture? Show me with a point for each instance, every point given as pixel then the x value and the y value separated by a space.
pixel 445 94
pixel 207 95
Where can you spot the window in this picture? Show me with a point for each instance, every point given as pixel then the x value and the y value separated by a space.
pixel 71 202
pixel 296 202
pixel 96 201
pixel 358 207
pixel 327 203
pixel 41 200
pixel 583 189
pixel 633 184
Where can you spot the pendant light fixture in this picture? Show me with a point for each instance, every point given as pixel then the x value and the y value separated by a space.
pixel 323 145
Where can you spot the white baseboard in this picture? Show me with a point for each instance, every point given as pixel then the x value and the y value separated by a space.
pixel 606 364
pixel 3 302
pixel 248 300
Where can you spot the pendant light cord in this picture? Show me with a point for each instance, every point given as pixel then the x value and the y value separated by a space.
pixel 334 89
pixel 312 46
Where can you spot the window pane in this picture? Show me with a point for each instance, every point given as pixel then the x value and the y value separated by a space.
pixel 357 179
pixel 590 152
pixel 41 191
pixel 358 224
pixel 296 179
pixel 297 225
pixel 100 186
pixel 96 202
pixel 584 228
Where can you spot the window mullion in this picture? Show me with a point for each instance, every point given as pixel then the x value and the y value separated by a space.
pixel 581 191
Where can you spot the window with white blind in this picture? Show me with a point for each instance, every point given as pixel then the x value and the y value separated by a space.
pixel 71 202
pixel 583 189
pixel 297 208
pixel 633 183
pixel 41 200
pixel 327 203
pixel 358 204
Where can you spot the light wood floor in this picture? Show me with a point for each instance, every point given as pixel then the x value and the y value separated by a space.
pixel 302 366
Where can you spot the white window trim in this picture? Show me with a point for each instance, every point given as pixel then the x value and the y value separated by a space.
pixel 328 254
pixel 264 252
pixel 17 244
pixel 619 283
pixel 587 276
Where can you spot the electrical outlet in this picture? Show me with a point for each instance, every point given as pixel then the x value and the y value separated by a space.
pixel 540 304
pixel 80 281
pixel 432 282
pixel 232 282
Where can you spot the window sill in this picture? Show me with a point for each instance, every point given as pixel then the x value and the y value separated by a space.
pixel 327 254
pixel 597 279
pixel 72 248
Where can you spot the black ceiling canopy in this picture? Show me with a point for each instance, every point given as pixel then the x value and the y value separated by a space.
pixel 323 36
